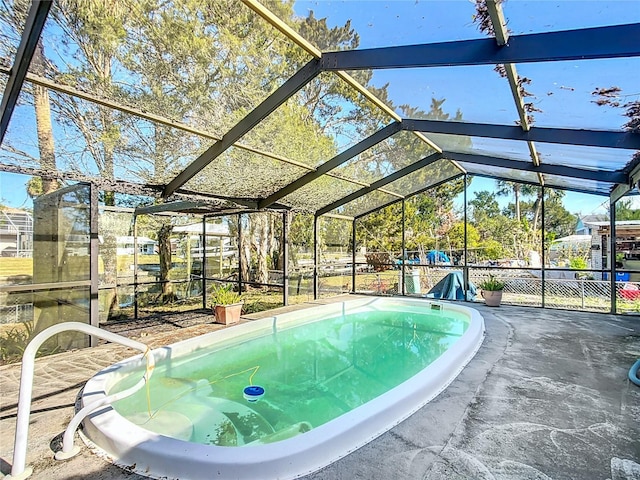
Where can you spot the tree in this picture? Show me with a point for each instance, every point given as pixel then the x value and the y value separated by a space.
pixel 505 187
pixel 484 206
pixel 455 235
pixel 624 210
pixel 14 14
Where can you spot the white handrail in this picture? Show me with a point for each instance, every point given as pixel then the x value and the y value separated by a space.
pixel 18 469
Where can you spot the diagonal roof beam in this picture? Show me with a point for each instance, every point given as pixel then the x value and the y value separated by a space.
pixel 561 170
pixel 30 37
pixel 413 194
pixel 303 43
pixel 582 44
pixel 74 92
pixel 336 161
pixel 381 183
pixel 502 38
pixel 277 98
pixel 565 136
pixel 582 189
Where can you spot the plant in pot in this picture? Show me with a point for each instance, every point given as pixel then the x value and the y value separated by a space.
pixel 226 304
pixel 492 291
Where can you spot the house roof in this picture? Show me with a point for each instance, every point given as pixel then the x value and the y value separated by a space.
pixel 221 229
pixel 131 240
pixel 593 219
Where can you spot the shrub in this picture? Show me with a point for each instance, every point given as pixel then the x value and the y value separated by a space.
pixel 224 295
pixel 380 261
pixel 492 284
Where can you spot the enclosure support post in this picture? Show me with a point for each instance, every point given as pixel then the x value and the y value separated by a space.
pixel 203 262
pixel 285 258
pixel 465 262
pixel 353 256
pixel 315 257
pixel 135 266
pixel 239 253
pixel 612 254
pixel 543 257
pixel 403 253
pixel 94 299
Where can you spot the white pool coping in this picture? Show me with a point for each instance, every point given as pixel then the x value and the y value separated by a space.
pixel 159 456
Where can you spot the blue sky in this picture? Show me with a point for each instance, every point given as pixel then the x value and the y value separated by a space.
pixel 561 90
pixel 13 190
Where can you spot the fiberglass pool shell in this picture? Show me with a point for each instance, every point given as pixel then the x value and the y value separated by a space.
pixel 162 456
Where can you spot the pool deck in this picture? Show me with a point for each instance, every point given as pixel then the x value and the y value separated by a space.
pixel 546 397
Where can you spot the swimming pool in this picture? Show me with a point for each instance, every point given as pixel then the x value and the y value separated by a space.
pixel 325 381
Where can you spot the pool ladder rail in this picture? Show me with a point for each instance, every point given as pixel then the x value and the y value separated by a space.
pixel 19 470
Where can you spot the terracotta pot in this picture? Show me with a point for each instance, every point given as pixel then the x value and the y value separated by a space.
pixel 228 314
pixel 492 297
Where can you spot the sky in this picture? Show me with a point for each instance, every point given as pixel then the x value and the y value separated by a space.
pixel 13 191
pixel 562 90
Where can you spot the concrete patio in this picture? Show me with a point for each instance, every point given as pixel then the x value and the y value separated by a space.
pixel 546 397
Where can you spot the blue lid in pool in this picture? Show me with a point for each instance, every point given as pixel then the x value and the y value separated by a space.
pixel 253 392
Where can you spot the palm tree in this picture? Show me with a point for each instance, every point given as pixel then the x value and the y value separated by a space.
pixel 550 195
pixel 507 188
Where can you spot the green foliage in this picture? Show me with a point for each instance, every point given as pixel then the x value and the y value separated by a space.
pixel 578 263
pixel 224 295
pixel 492 250
pixel 455 236
pixel 484 206
pixel 381 231
pixel 492 284
pixel 503 235
pixel 558 219
pixel 14 341
pixel 625 212
pixel 380 261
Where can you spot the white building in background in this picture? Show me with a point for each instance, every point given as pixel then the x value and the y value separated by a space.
pixel 16 233
pixel 219 239
pixel 126 246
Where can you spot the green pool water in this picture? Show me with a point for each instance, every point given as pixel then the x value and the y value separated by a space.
pixel 311 373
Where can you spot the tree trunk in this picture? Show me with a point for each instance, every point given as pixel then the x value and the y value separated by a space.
pixel 538 211
pixel 244 249
pixel 43 123
pixel 261 243
pixel 164 250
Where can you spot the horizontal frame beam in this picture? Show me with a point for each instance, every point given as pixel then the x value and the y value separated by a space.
pixel 565 136
pixel 537 184
pixel 560 170
pixel 382 182
pixel 336 161
pixel 413 194
pixel 74 92
pixel 30 36
pixel 581 44
pixel 301 78
pixel 177 206
pixel 618 192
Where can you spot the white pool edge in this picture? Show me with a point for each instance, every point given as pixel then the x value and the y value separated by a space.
pixel 138 450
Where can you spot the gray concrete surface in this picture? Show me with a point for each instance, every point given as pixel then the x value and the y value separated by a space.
pixel 546 397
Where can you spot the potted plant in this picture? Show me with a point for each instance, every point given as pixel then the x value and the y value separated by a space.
pixel 226 304
pixel 492 291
